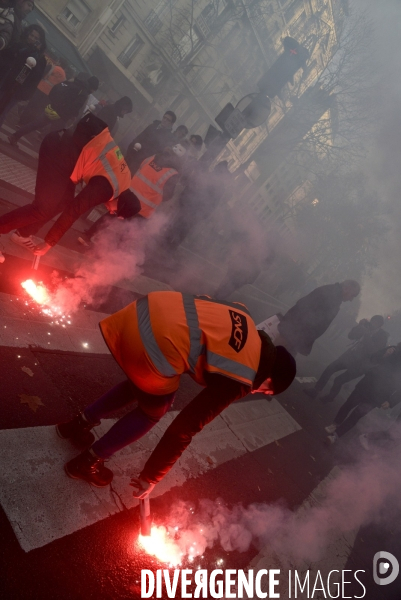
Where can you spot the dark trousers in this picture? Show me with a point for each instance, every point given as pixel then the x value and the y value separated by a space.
pixel 39 123
pixel 351 411
pixel 54 189
pixel 134 424
pixel 349 374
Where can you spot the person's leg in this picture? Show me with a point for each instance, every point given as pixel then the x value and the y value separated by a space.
pixel 38 123
pixel 336 365
pixel 353 401
pixel 133 425
pixel 338 382
pixel 11 103
pixel 360 411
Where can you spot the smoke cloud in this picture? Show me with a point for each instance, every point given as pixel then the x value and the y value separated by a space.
pixel 366 492
pixel 118 253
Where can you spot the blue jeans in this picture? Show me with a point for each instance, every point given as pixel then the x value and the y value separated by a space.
pixel 134 424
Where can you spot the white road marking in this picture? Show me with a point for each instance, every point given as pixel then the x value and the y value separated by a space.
pixel 43 504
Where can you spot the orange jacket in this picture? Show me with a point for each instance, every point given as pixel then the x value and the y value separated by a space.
pixel 158 338
pixel 147 184
pixel 54 76
pixel 102 156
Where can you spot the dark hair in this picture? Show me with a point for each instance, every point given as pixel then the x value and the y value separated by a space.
pixel 93 83
pixel 123 103
pixel 128 205
pixel 284 370
pixel 378 320
pixel 198 142
pixel 172 115
pixel 182 128
pixel 26 32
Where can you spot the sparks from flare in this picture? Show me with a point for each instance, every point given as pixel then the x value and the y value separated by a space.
pixel 40 294
pixel 165 548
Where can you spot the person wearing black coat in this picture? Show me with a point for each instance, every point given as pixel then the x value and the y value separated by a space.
pixel 312 315
pixel 111 113
pixel 12 61
pixel 153 139
pixel 379 388
pixel 65 101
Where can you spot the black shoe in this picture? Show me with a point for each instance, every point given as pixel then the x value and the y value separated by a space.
pixel 78 431
pixel 89 468
pixel 311 392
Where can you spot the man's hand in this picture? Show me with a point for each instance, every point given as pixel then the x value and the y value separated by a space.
pixel 385 405
pixel 41 249
pixel 143 488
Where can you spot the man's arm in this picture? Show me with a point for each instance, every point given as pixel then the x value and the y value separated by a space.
pixel 219 393
pixel 96 192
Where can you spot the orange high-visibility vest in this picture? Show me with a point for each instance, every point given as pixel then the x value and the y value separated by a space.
pixel 147 184
pixel 55 75
pixel 102 156
pixel 158 338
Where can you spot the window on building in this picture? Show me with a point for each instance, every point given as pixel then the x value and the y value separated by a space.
pixel 293 9
pixel 114 28
pixel 133 48
pixel 153 22
pixel 74 14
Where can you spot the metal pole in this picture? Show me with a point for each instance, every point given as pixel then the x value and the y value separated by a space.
pixel 35 263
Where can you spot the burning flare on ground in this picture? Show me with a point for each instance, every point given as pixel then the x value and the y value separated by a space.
pixel 37 291
pixel 162 545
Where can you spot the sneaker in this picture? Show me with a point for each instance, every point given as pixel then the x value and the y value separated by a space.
pixel 77 431
pixel 25 242
pixel 363 440
pixel 2 257
pixel 331 428
pixel 89 467
pixel 331 439
pixel 311 392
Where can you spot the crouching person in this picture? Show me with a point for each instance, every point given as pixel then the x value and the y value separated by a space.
pixel 155 340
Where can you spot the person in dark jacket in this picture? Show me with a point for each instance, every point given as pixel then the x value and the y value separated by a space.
pixel 12 61
pixel 155 340
pixel 379 388
pixel 369 338
pixel 65 101
pixel 12 14
pixel 153 139
pixel 309 318
pixel 111 113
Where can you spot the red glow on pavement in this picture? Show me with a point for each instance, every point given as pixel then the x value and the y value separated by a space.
pixel 37 291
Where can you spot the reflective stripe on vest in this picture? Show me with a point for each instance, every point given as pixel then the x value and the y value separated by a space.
pixel 143 199
pixel 108 168
pixel 147 188
pixel 196 348
pixel 148 340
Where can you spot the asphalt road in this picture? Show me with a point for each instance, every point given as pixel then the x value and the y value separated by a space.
pixel 103 560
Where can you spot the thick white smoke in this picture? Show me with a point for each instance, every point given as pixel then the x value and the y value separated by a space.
pixel 364 493
pixel 118 253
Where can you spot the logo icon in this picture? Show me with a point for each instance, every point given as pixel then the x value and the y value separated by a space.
pixel 239 331
pixel 385 564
